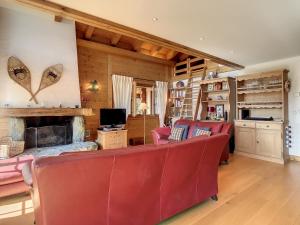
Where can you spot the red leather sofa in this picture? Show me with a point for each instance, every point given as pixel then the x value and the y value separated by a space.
pixel 11 179
pixel 160 135
pixel 140 185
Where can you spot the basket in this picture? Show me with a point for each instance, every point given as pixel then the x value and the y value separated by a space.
pixel 10 148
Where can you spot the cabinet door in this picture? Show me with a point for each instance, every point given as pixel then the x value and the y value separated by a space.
pixel 245 139
pixel 269 143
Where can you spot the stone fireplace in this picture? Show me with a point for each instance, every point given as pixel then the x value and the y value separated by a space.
pixel 46 131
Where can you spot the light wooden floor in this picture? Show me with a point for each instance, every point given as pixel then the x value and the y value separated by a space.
pixel 251 192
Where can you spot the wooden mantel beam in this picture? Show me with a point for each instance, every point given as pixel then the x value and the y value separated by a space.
pixel 122 30
pixel 29 112
pixel 89 32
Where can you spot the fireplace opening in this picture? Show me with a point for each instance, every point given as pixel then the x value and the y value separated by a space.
pixel 48 131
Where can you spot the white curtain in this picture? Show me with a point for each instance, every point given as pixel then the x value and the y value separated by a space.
pixel 161 100
pixel 122 89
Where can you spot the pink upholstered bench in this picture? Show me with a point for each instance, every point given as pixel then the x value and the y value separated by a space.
pixel 11 179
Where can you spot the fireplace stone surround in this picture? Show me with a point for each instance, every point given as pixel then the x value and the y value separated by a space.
pixel 63 126
pixel 47 131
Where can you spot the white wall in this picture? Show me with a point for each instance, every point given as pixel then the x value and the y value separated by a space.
pixel 37 40
pixel 293 65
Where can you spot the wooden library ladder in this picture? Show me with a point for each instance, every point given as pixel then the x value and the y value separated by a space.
pixel 186 111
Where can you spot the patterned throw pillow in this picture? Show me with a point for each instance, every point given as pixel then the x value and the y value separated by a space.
pixel 185 131
pixel 176 133
pixel 199 128
pixel 200 132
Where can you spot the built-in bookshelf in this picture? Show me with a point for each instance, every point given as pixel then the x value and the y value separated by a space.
pixel 218 99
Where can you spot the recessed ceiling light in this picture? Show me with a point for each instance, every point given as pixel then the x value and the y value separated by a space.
pixel 154 19
pixel 201 38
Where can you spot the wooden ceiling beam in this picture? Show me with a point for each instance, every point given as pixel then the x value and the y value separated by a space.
pixel 97 22
pixel 171 54
pixel 183 57
pixel 137 46
pixel 145 51
pixel 115 39
pixel 155 50
pixel 89 32
pixel 58 18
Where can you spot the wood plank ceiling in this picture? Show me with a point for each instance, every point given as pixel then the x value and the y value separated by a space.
pixel 106 37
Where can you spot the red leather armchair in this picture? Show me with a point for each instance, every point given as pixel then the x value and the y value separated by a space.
pixel 135 186
pixel 160 135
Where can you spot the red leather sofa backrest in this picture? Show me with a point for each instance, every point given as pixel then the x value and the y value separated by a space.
pixel 141 185
pixel 179 180
pixel 216 127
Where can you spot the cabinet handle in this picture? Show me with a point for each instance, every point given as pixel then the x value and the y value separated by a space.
pixel 267 126
pixel 257 142
pixel 244 125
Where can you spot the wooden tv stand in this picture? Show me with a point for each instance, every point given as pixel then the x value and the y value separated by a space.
pixel 112 139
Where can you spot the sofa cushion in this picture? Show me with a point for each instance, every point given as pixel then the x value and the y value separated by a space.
pixel 200 132
pixel 196 128
pixel 186 130
pixel 11 169
pixel 176 134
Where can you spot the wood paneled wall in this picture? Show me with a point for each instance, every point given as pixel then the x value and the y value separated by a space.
pixel 135 127
pixel 95 64
pixel 4 127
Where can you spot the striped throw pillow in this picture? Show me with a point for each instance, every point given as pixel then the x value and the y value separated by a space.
pixel 176 133
pixel 200 132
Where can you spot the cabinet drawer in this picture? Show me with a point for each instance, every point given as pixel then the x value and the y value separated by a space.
pixel 250 124
pixel 268 126
pixel 113 134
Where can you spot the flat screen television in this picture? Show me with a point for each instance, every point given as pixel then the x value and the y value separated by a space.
pixel 112 117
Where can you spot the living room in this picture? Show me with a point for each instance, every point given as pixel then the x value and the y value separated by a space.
pixel 136 112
